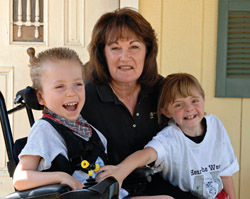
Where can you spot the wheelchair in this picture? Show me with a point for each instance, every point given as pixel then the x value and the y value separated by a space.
pixel 107 189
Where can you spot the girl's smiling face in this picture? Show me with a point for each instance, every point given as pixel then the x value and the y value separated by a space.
pixel 187 112
pixel 63 89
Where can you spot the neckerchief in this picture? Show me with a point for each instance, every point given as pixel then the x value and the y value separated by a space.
pixel 80 126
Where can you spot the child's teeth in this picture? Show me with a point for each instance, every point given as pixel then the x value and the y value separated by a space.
pixel 70 104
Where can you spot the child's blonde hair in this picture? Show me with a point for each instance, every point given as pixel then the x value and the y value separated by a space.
pixel 176 85
pixel 53 54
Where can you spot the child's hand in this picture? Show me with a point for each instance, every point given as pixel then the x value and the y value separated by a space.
pixel 70 181
pixel 107 171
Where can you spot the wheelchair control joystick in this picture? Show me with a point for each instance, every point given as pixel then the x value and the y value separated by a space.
pixel 91 168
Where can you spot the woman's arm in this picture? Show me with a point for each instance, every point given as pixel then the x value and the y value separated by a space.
pixel 122 170
pixel 228 186
pixel 26 176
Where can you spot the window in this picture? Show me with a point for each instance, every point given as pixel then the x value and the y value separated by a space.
pixel 233 51
pixel 28 21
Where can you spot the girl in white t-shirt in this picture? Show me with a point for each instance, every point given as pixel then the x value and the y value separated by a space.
pixel 193 151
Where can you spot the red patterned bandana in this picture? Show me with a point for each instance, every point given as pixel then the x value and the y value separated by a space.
pixel 80 126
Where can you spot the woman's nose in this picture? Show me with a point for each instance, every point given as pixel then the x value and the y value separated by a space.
pixel 124 55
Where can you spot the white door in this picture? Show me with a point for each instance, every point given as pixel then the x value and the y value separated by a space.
pixel 66 23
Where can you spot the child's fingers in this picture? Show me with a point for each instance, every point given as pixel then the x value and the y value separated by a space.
pixel 102 175
pixel 105 172
pixel 106 168
pixel 76 186
pixel 70 181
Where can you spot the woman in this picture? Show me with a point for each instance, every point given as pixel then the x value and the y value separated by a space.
pixel 123 87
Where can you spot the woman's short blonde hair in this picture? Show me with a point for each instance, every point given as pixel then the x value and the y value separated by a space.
pixel 176 85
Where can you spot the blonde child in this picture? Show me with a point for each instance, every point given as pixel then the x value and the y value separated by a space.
pixel 58 78
pixel 193 151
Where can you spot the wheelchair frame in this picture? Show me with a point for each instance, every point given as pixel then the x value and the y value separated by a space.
pixel 107 189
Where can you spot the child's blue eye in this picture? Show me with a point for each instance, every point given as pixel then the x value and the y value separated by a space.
pixel 78 84
pixel 195 101
pixel 59 86
pixel 177 105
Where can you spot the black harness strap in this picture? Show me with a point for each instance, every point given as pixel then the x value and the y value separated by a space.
pixel 80 149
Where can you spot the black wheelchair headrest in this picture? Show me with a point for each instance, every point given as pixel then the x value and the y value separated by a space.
pixel 28 96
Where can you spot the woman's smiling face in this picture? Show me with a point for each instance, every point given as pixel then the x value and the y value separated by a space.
pixel 125 59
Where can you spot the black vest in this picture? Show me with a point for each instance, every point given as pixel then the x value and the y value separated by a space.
pixel 78 150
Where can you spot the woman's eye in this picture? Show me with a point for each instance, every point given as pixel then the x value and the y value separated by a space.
pixel 134 47
pixel 114 48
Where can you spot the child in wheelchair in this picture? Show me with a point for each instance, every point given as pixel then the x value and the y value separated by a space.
pixel 57 75
pixel 194 151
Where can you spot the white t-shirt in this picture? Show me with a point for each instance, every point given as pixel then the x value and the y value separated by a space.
pixel 45 141
pixel 191 166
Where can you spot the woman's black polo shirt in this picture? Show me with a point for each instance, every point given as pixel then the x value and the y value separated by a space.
pixel 125 133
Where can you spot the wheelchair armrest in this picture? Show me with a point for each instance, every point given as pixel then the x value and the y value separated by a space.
pixel 43 192
pixel 138 180
pixel 108 188
pixel 142 174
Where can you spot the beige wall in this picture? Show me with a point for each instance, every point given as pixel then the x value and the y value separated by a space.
pixel 187 34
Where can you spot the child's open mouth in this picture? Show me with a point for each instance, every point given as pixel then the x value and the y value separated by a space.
pixel 70 106
pixel 190 117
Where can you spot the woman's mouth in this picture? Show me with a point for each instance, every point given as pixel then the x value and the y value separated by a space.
pixel 125 67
